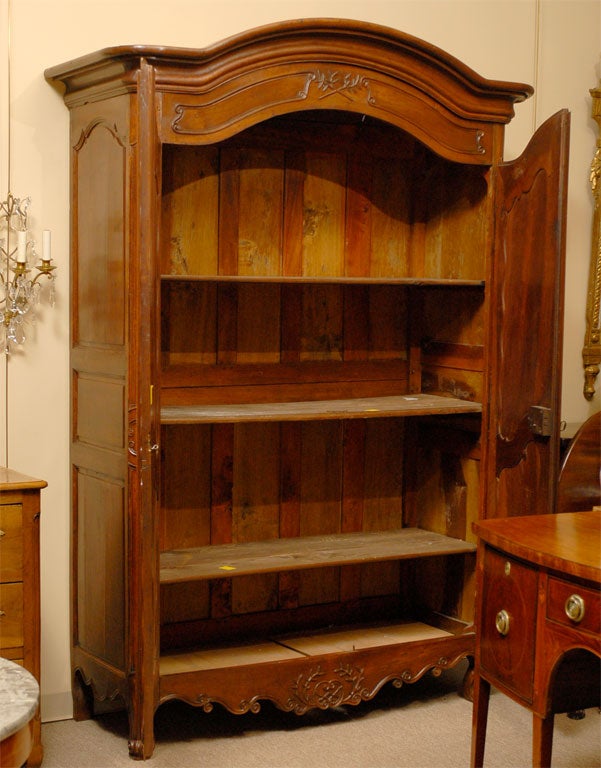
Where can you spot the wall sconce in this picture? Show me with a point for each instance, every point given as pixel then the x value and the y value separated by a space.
pixel 19 290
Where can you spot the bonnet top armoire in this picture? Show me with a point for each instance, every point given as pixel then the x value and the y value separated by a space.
pixel 316 334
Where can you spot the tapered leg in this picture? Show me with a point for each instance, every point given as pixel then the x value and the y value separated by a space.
pixel 481 693
pixel 542 741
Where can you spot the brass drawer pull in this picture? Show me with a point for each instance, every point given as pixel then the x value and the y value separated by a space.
pixel 2 533
pixel 2 613
pixel 574 608
pixel 502 622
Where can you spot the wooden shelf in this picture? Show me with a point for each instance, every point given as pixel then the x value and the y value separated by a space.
pixel 352 408
pixel 299 646
pixel 321 279
pixel 222 560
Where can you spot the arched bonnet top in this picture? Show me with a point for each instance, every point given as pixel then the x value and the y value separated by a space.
pixel 205 95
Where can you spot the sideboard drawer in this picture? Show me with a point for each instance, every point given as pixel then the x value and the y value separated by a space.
pixel 508 622
pixel 11 542
pixel 11 615
pixel 581 603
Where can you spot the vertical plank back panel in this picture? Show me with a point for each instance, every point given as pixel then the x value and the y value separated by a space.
pixel 222 481
pixel 190 210
pixel 261 189
pixel 391 218
pixel 457 220
pixel 387 322
pixel 229 211
pixel 188 314
pixel 185 512
pixel 358 228
pixel 256 490
pixel 322 315
pixel 324 202
pixel 258 331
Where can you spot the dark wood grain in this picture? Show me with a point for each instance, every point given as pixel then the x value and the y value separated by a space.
pixel 358 408
pixel 579 486
pixel 542 655
pixel 569 544
pixel 304 552
pixel 319 267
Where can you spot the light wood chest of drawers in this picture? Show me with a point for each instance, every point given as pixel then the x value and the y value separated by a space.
pixel 20 578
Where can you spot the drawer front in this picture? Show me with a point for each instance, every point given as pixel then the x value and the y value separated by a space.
pixel 582 604
pixel 11 542
pixel 11 615
pixel 508 622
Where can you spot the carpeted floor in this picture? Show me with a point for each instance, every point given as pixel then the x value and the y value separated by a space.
pixel 424 725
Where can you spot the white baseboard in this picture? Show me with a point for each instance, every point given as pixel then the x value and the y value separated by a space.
pixel 56 706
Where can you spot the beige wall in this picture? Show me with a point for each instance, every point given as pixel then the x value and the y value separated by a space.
pixel 552 44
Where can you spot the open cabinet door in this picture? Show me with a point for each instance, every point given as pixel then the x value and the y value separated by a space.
pixel 143 429
pixel 527 325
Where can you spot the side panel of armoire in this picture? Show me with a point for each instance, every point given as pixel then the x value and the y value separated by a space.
pixel 101 171
pixel 114 299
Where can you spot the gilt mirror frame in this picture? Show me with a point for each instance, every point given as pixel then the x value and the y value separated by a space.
pixel 591 352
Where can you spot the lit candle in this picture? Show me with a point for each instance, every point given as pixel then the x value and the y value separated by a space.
pixel 22 246
pixel 46 245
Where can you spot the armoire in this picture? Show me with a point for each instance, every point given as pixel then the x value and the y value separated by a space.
pixel 316 334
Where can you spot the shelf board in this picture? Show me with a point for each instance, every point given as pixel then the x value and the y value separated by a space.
pixel 223 560
pixel 299 646
pixel 351 408
pixel 322 279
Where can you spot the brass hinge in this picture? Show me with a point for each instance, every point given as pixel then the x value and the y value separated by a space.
pixel 540 420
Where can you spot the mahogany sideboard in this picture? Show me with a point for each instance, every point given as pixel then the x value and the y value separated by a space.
pixel 538 620
pixel 316 333
pixel 20 580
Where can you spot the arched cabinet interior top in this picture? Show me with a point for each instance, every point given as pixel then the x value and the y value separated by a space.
pixel 209 94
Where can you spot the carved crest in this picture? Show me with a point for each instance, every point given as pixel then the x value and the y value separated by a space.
pixel 346 84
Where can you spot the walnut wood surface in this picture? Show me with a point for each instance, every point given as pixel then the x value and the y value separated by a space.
pixel 579 486
pixel 313 212
pixel 569 544
pixel 357 408
pixel 298 646
pixel 20 590
pixel 322 279
pixel 219 561
pixel 544 657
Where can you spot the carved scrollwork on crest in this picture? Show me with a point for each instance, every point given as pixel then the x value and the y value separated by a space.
pixel 330 83
pixel 479 146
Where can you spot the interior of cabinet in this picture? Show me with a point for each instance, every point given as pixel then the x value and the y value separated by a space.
pixel 322 306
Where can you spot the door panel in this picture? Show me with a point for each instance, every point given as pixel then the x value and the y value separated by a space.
pixel 527 325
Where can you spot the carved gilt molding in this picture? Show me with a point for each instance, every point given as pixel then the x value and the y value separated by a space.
pixel 591 352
